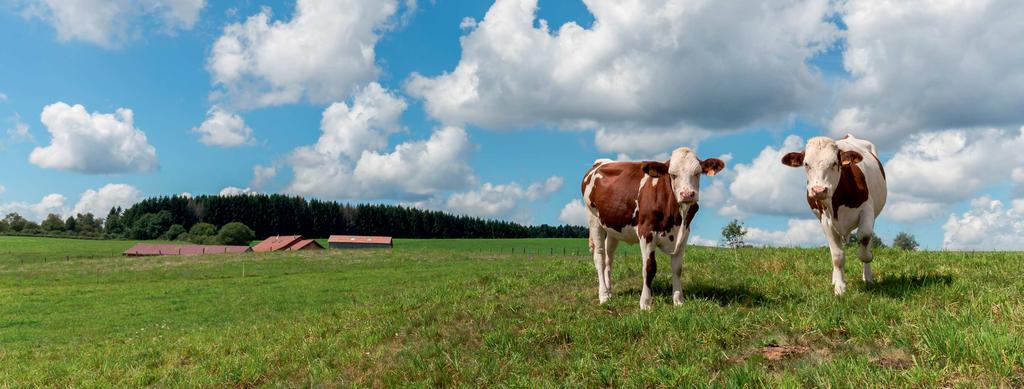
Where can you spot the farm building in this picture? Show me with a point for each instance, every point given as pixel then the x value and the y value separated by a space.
pixel 148 249
pixel 277 243
pixel 308 244
pixel 358 242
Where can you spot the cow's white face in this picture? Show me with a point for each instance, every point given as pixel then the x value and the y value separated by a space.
pixel 822 161
pixel 683 170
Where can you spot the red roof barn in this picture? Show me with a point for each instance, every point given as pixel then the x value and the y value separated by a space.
pixel 149 249
pixel 308 244
pixel 357 242
pixel 276 243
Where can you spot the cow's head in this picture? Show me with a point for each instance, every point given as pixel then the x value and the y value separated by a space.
pixel 823 163
pixel 683 171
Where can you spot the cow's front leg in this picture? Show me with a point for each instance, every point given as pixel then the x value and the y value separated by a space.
pixel 598 236
pixel 838 258
pixel 650 267
pixel 677 272
pixel 611 244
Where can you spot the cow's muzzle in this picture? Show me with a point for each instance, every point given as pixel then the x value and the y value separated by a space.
pixel 688 197
pixel 819 192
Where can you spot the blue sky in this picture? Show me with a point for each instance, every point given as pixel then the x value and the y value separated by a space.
pixel 497 109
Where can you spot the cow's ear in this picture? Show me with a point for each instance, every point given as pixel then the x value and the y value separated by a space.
pixel 850 157
pixel 793 159
pixel 654 169
pixel 712 166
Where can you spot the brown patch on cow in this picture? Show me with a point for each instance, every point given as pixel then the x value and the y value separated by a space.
pixel 651 269
pixel 690 213
pixel 660 210
pixel 615 194
pixel 851 192
pixel 654 169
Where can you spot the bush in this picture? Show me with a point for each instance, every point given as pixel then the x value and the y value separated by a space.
pixel 174 232
pixel 236 233
pixel 905 241
pixel 151 225
pixel 52 223
pixel 201 231
pixel 733 233
pixel 876 242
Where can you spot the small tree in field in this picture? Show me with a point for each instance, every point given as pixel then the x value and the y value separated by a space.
pixel 52 223
pixel 905 241
pixel 236 233
pixel 876 242
pixel 733 233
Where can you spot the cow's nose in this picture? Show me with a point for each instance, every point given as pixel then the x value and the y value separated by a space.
pixel 688 196
pixel 818 191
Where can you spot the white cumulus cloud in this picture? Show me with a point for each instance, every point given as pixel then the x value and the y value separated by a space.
pixel 502 200
pixel 321 54
pixel 99 202
pixel 988 225
pixel 573 213
pixel 224 129
pixel 930 65
pixel 111 23
pixel 766 186
pixel 235 191
pixel 351 159
pixel 261 175
pixel 666 68
pixel 93 143
pixel 51 203
pixel 799 232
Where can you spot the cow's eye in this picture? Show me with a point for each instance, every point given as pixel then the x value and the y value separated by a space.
pixel 673 175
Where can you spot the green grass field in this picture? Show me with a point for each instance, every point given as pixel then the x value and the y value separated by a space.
pixel 467 313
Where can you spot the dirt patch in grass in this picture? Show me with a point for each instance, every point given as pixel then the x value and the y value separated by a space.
pixel 778 353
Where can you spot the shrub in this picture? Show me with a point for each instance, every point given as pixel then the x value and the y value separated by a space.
pixel 905 241
pixel 52 223
pixel 151 225
pixel 174 232
pixel 236 233
pixel 733 233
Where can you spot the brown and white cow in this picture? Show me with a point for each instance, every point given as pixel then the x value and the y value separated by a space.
pixel 846 190
pixel 647 202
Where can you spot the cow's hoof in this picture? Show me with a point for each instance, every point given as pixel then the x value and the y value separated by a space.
pixel 604 298
pixel 645 307
pixel 840 289
pixel 677 298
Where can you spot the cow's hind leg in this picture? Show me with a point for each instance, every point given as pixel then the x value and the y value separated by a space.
pixel 650 267
pixel 597 244
pixel 865 232
pixel 610 245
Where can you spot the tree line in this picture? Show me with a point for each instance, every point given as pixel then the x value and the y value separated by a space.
pixel 276 214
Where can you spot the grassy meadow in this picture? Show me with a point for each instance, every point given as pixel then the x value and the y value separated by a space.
pixel 471 313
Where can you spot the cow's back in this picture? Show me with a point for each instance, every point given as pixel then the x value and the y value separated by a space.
pixel 610 192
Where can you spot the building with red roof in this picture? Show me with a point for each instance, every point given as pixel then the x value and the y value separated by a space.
pixel 359 242
pixel 149 249
pixel 307 244
pixel 277 243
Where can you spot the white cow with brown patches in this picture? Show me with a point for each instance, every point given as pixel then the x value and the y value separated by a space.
pixel 846 190
pixel 651 203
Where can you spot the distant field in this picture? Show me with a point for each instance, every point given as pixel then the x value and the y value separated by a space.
pixel 450 313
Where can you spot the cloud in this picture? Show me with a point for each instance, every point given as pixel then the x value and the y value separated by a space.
pixel 501 201
pixel 224 129
pixel 766 186
pixel 111 23
pixel 908 75
pixel 234 191
pixel 697 240
pixel 573 213
pixel 933 170
pixel 986 226
pixel 661 67
pixel 261 175
pixel 99 202
pixel 320 55
pixel 351 160
pixel 51 203
pixel 800 232
pixel 19 132
pixel 95 143
pixel 467 23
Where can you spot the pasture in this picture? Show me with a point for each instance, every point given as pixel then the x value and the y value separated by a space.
pixel 464 313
